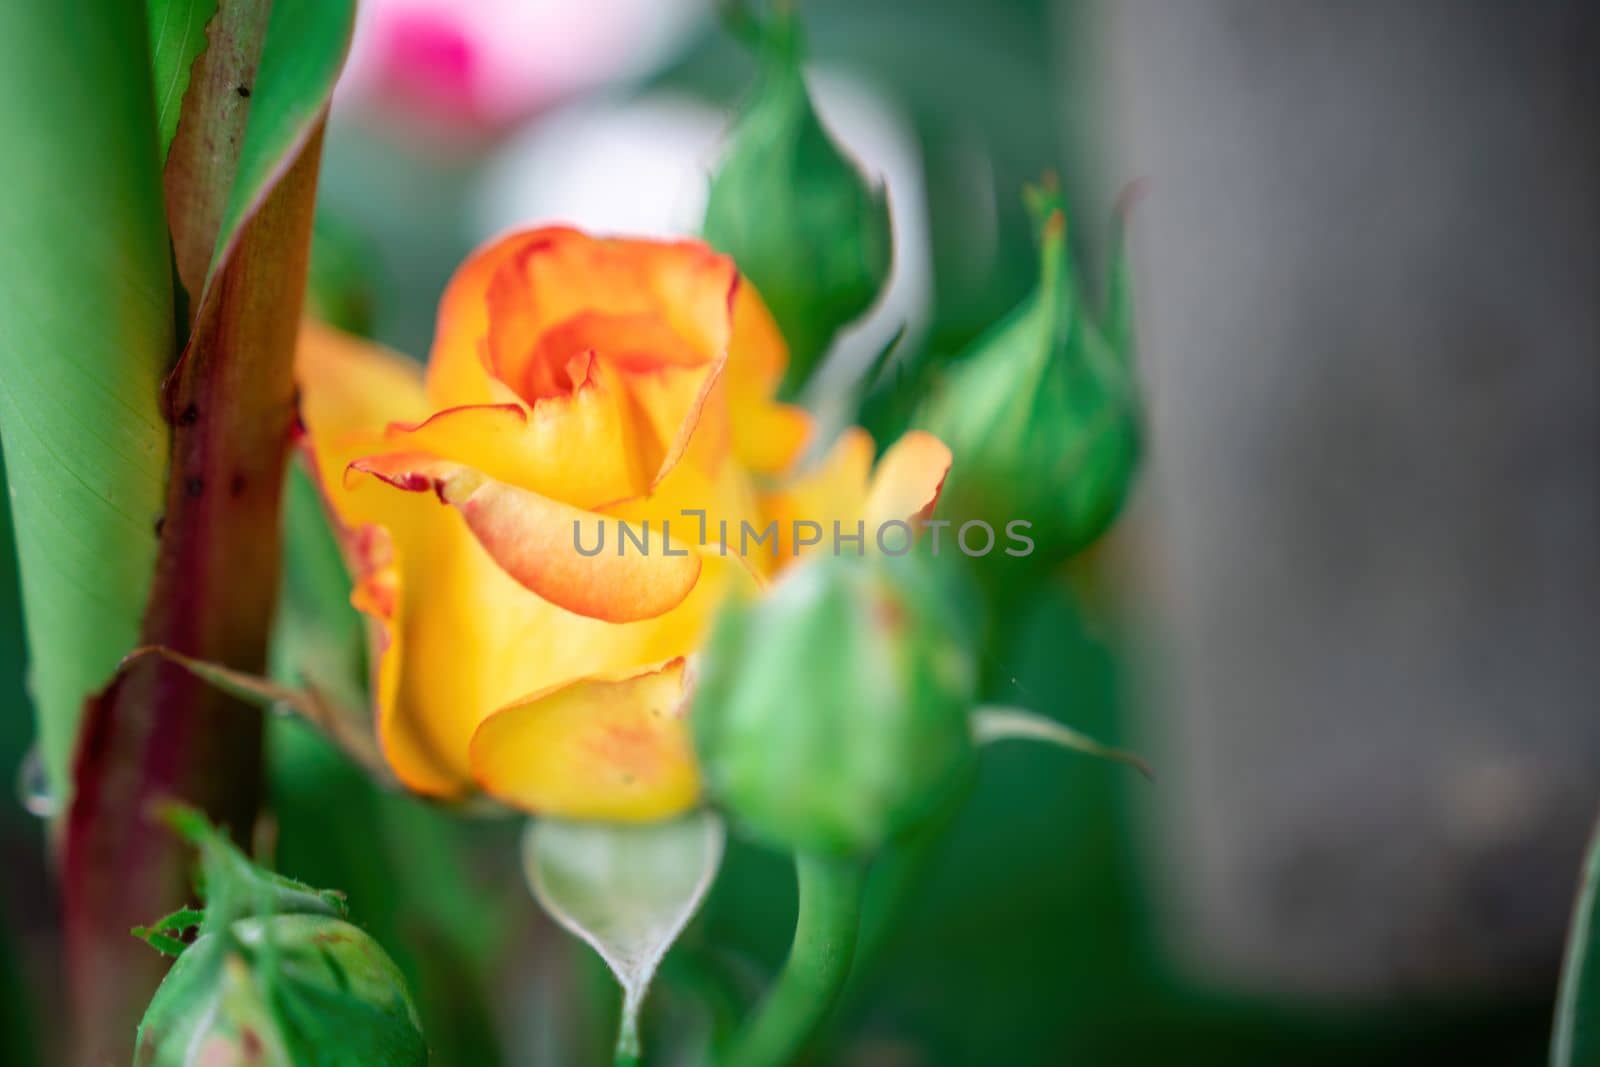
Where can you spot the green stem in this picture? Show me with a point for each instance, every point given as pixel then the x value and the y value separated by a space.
pixel 818 965
pixel 627 1054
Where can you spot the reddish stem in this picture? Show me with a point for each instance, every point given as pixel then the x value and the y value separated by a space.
pixel 158 732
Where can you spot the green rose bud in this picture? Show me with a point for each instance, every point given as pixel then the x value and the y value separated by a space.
pixel 793 211
pixel 831 714
pixel 276 977
pixel 284 989
pixel 1042 413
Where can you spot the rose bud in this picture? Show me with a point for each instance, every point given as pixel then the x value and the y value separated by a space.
pixel 285 989
pixel 794 211
pixel 576 384
pixel 276 976
pixel 831 714
pixel 1042 412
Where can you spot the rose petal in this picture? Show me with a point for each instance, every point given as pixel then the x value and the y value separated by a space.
pixel 349 388
pixel 601 748
pixel 767 437
pixel 457 372
pixel 579 449
pixel 537 541
pixel 907 480
pixel 545 277
pixel 757 354
pixel 832 491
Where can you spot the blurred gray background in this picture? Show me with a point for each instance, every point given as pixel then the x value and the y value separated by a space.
pixel 1369 266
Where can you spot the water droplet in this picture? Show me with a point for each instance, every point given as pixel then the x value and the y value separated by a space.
pixel 33 786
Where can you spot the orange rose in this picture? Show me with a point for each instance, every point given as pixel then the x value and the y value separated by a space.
pixel 574 383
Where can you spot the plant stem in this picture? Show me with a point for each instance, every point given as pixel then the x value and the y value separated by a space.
pixel 158 732
pixel 818 964
pixel 627 1054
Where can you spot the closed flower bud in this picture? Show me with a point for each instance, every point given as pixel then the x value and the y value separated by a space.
pixel 794 212
pixel 1042 413
pixel 833 713
pixel 282 989
pixel 276 977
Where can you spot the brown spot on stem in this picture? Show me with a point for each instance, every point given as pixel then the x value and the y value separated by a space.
pixel 250 1044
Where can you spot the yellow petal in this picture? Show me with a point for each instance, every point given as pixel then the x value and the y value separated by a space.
pixel 474 641
pixel 757 356
pixel 833 491
pixel 349 390
pixel 453 635
pixel 600 748
pixel 767 437
pixel 575 559
pixel 907 480
pixel 582 449
pixel 844 489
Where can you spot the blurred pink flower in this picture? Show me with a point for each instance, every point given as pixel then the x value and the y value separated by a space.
pixel 485 64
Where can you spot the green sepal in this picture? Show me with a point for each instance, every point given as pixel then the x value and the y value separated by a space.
pixel 1042 413
pixel 165 935
pixel 792 209
pixel 991 724
pixel 233 888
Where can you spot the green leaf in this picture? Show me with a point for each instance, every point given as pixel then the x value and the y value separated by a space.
pixel 991 724
pixel 1576 1042
pixel 177 37
pixel 86 334
pixel 304 51
pixel 259 93
pixel 626 889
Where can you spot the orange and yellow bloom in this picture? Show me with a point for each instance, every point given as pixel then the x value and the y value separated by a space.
pixel 574 382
